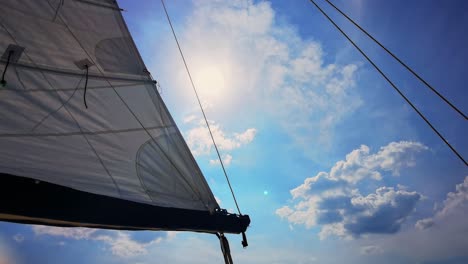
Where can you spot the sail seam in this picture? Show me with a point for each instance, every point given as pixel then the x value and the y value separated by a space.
pixel 130 85
pixel 91 133
pixel 75 73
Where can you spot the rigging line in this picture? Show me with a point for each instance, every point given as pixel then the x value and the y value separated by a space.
pixel 201 107
pixel 392 84
pixel 194 189
pixel 400 61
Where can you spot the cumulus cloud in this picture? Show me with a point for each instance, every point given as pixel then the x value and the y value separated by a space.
pixel 120 244
pixel 456 201
pixel 360 164
pixel 200 142
pixel 353 215
pixel 454 206
pixel 436 239
pixel 333 201
pixel 199 139
pixel 227 159
pixel 381 212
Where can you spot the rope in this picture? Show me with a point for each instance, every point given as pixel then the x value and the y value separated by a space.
pixel 201 107
pixel 224 243
pixel 3 82
pixel 86 86
pixel 392 84
pixel 400 61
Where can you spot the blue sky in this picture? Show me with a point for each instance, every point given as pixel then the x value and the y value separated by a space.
pixel 328 161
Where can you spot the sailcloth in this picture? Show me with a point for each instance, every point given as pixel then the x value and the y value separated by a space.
pixel 79 110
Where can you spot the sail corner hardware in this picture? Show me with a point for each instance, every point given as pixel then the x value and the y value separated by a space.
pixel 244 240
pixel 84 64
pixel 11 55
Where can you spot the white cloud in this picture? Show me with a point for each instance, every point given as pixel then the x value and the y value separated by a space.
pixel 200 142
pixel 18 238
pixel 122 245
pixel 119 243
pixel 74 233
pixel 455 204
pixel 361 164
pixel 456 201
pixel 436 239
pixel 424 223
pixel 353 215
pixel 227 159
pixel 244 60
pixel 190 118
pixel 332 199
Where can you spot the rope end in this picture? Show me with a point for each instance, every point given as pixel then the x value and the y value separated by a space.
pixel 244 240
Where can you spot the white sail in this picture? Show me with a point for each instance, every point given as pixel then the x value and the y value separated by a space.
pixel 125 144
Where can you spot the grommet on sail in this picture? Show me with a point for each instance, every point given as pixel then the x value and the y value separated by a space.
pixel 122 163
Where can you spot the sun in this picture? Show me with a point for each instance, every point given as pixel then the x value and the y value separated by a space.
pixel 211 83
